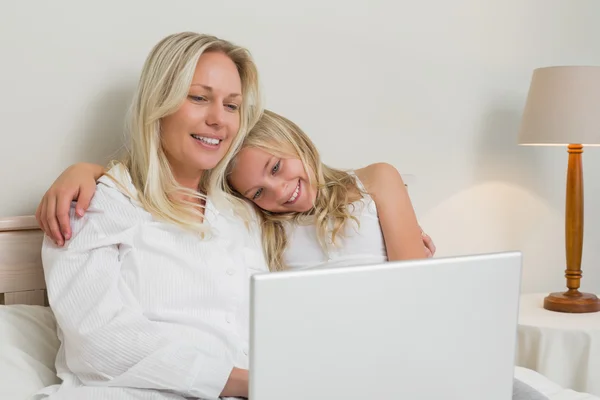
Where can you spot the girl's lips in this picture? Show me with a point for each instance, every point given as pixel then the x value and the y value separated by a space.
pixel 299 188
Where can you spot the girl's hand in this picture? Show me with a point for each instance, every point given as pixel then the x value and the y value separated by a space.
pixel 429 245
pixel 76 183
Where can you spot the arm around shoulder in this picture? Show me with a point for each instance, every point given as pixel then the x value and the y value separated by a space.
pixel 77 182
pixel 397 217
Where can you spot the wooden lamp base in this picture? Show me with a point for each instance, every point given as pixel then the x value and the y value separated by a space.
pixel 572 302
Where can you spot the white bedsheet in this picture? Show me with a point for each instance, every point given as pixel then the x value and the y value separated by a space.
pixel 28 345
pixel 545 386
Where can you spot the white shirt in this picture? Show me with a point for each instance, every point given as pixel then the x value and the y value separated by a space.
pixel 357 245
pixel 145 304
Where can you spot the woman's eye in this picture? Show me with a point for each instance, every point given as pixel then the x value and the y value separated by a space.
pixel 276 167
pixel 257 194
pixel 232 107
pixel 197 98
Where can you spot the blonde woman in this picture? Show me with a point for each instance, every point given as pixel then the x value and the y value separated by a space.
pixel 312 214
pixel 151 292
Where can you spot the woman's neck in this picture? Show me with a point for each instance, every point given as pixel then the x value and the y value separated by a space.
pixel 189 180
pixel 186 176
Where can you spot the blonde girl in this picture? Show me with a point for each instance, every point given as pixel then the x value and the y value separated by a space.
pixel 314 214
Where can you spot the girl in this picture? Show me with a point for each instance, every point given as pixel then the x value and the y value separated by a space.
pixel 313 215
pixel 363 216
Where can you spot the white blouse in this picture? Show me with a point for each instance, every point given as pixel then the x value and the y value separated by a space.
pixel 145 304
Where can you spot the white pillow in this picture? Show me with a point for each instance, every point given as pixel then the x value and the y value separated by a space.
pixel 28 347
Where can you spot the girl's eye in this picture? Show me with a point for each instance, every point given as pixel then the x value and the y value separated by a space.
pixel 276 167
pixel 232 107
pixel 197 98
pixel 257 194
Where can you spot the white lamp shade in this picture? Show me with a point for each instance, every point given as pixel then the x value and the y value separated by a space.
pixel 563 107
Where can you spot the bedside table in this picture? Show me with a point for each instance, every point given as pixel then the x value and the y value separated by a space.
pixel 563 347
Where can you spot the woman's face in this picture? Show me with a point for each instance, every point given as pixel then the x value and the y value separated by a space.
pixel 273 183
pixel 197 136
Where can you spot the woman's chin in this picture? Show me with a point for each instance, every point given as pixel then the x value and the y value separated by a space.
pixel 206 164
pixel 207 161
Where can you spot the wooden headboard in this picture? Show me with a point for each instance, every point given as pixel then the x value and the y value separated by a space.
pixel 21 273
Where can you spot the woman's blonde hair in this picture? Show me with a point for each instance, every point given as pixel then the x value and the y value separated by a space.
pixel 336 189
pixel 163 87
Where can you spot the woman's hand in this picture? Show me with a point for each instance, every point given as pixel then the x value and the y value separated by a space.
pixel 78 182
pixel 237 385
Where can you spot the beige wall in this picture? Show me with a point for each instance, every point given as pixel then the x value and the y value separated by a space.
pixel 433 87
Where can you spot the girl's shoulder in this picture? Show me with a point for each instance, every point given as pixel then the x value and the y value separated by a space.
pixel 376 177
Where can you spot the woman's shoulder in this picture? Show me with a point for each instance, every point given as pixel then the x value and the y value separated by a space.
pixel 110 215
pixel 115 197
pixel 117 182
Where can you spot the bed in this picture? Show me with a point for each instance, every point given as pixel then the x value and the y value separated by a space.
pixel 28 340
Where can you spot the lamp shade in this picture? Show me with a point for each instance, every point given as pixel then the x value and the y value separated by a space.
pixel 562 107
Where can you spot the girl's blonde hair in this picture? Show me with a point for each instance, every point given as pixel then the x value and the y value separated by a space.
pixel 336 189
pixel 163 87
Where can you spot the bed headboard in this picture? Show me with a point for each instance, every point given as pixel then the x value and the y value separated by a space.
pixel 21 273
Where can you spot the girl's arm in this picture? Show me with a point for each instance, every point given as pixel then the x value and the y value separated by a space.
pixel 77 182
pixel 401 231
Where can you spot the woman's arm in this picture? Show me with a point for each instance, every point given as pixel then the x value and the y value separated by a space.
pixel 107 337
pixel 399 225
pixel 78 182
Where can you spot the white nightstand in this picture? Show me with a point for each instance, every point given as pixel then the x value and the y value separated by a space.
pixel 563 347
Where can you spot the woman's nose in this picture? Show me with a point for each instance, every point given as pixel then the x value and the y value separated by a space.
pixel 215 115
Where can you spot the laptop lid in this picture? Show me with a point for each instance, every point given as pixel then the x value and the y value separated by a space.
pixel 441 328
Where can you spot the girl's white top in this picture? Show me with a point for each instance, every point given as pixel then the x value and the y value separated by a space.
pixel 145 304
pixel 358 245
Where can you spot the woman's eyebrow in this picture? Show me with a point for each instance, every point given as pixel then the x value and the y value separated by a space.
pixel 210 89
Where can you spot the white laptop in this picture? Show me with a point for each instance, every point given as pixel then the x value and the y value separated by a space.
pixel 439 329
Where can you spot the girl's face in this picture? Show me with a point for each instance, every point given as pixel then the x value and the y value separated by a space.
pixel 273 183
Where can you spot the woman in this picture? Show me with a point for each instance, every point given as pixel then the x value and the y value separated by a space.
pixel 151 293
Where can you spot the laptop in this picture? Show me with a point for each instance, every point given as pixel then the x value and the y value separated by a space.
pixel 439 329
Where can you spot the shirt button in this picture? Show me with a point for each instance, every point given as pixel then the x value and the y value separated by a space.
pixel 245 350
pixel 228 319
pixel 230 271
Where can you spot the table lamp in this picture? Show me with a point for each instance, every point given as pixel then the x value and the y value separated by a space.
pixel 563 109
